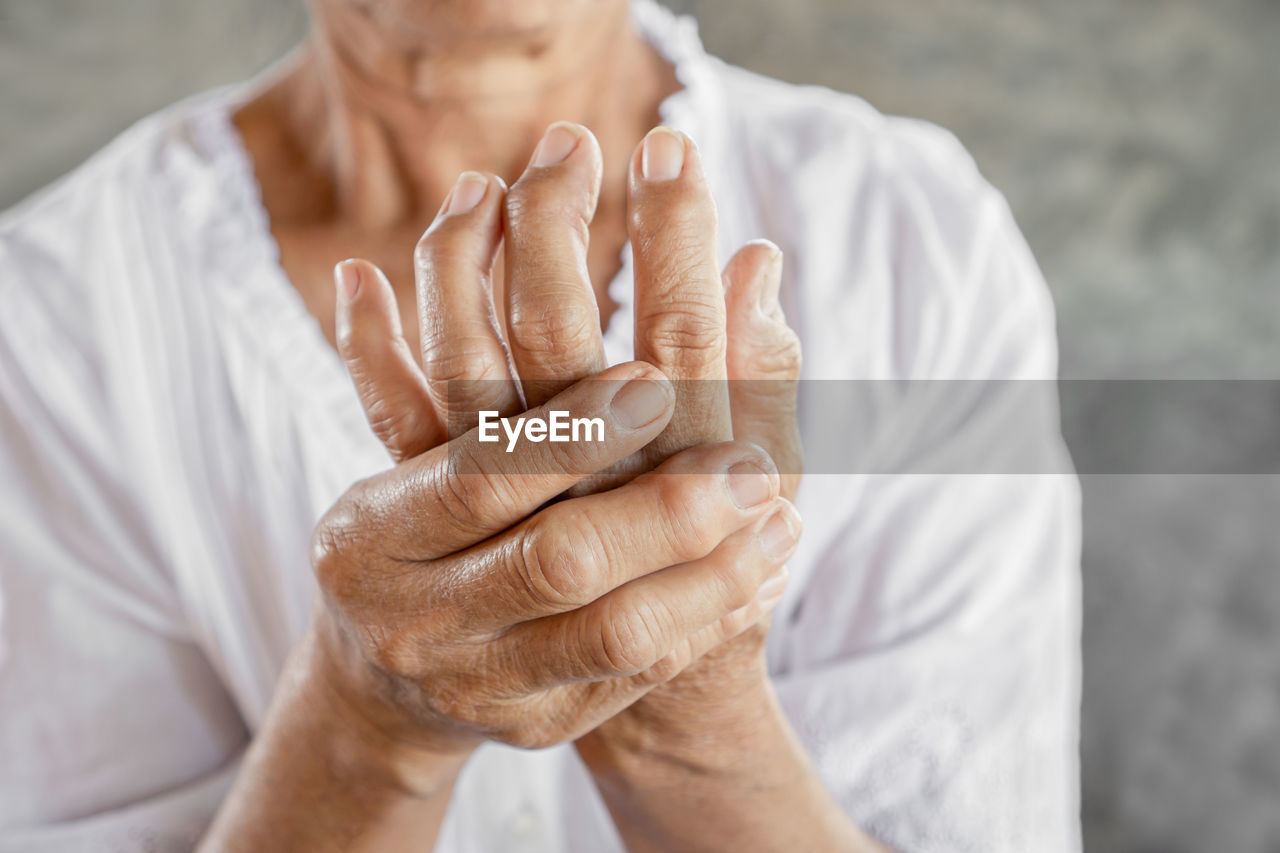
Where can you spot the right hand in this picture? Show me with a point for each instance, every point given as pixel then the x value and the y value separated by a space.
pixel 454 611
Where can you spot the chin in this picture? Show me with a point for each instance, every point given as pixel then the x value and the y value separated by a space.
pixel 471 18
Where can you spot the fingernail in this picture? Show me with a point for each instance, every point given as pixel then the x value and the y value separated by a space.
pixel 662 156
pixel 771 590
pixel 749 484
pixel 778 535
pixel 346 274
pixel 467 192
pixel 640 403
pixel 557 143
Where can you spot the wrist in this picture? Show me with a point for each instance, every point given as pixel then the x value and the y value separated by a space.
pixel 364 738
pixel 711 734
pixel 318 775
pixel 743 779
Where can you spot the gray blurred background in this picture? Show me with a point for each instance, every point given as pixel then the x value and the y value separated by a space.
pixel 1139 143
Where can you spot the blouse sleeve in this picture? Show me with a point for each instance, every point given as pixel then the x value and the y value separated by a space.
pixel 115 732
pixel 931 663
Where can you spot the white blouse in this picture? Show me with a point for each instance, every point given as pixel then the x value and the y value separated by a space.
pixel 173 423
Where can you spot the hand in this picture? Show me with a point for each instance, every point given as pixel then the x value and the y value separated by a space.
pixel 454 610
pixel 448 620
pixel 697 337
pixel 662 620
pixel 684 325
pixel 723 700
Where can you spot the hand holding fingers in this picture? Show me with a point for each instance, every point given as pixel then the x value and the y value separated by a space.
pixel 617 595
pixel 583 648
pixel 553 321
pixel 462 492
pixel 648 628
pixel 687 548
pixel 574 552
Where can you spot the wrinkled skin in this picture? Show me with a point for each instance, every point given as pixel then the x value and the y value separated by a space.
pixel 544 631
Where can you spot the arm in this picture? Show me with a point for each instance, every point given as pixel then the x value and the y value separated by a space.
pixel 447 620
pixel 708 761
pixel 931 675
pixel 456 611
pixel 673 760
pixel 321 776
pixel 662 795
pixel 736 779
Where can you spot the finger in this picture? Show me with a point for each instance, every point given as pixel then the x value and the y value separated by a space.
pixel 635 628
pixel 679 301
pixel 763 359
pixel 553 322
pixel 574 552
pixel 462 352
pixel 371 342
pixel 461 493
pixel 608 697
pixel 753 617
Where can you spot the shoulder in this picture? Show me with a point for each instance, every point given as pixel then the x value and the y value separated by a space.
pixel 88 271
pixel 92 257
pixel 132 195
pixel 835 153
pixel 817 137
pixel 887 218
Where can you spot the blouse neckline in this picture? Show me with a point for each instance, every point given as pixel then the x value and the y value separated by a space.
pixel 240 242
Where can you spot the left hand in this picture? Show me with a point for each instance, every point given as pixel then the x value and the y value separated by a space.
pixel 699 325
pixel 691 322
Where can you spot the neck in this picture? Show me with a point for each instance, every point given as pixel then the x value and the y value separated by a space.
pixel 381 117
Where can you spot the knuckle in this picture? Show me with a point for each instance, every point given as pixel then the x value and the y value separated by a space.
pixel 453 497
pixel 685 520
pixel 731 624
pixel 554 566
pixel 460 358
pixel 775 355
pixel 469 499
pixel 398 427
pixel 627 642
pixel 393 652
pixel 686 332
pixel 735 576
pixel 546 316
pixel 455 700
pixel 328 544
pixel 335 546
